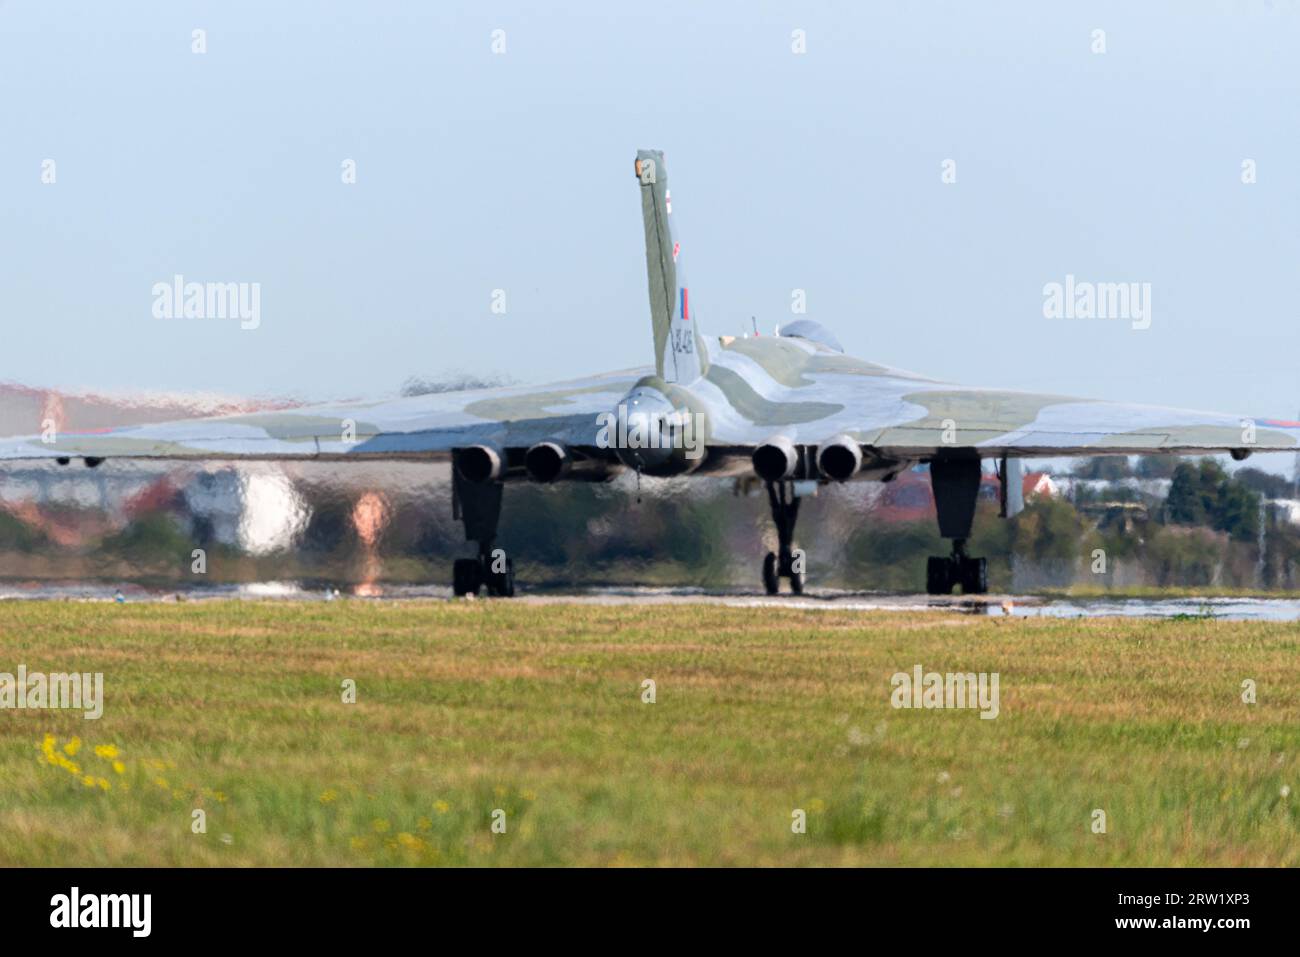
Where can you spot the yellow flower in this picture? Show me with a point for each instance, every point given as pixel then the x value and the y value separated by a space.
pixel 409 840
pixel 106 750
pixel 528 796
pixel 817 804
pixel 119 767
pixel 59 761
pixel 220 796
pixel 162 783
pixel 360 843
pixel 72 747
pixel 380 825
pixel 103 784
pixel 48 744
pixel 424 824
pixel 442 807
pixel 88 781
pixel 329 796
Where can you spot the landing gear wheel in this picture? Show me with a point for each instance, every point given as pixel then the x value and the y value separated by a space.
pixel 502 584
pixel 782 563
pixel 465 578
pixel 938 577
pixel 974 576
pixel 796 582
pixel 771 581
pixel 944 574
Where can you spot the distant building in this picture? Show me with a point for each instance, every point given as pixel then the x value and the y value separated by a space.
pixel 253 506
pixel 1071 487
pixel 1032 484
pixel 1285 510
pixel 910 498
pixel 1040 483
pixel 1125 517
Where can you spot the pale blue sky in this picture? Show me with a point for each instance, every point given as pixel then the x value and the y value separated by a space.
pixel 822 172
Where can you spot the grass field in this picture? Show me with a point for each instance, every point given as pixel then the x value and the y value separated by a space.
pixel 465 708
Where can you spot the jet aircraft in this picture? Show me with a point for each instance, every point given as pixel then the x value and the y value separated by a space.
pixel 790 409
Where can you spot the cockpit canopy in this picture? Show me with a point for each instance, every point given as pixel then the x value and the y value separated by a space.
pixel 813 332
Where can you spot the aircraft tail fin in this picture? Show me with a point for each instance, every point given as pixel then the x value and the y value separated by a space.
pixel 680 351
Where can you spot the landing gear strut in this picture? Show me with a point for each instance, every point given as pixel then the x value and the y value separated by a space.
pixel 956 483
pixel 478 506
pixel 785 562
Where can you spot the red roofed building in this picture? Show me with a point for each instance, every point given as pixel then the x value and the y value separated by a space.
pixel 909 498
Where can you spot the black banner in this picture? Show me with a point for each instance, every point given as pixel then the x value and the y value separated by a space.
pixel 333 906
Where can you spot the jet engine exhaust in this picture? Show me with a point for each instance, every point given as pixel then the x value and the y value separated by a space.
pixel 840 459
pixel 776 459
pixel 547 461
pixel 479 463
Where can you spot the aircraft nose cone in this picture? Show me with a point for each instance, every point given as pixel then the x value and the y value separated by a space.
pixel 643 439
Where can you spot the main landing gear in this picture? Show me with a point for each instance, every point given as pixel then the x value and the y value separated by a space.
pixel 956 484
pixel 785 562
pixel 941 574
pixel 494 571
pixel 478 505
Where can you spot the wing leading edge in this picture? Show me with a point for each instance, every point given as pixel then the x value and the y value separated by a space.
pixel 415 427
pixel 894 413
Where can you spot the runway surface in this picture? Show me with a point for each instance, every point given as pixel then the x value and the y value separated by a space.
pixel 1235 609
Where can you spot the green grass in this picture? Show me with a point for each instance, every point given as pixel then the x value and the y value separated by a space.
pixel 463 708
